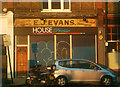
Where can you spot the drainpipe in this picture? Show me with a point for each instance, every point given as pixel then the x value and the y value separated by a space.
pixel 106 32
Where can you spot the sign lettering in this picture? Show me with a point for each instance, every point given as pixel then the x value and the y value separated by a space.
pixel 55 23
pixel 43 30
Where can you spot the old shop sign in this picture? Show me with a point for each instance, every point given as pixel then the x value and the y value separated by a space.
pixel 49 30
pixel 54 23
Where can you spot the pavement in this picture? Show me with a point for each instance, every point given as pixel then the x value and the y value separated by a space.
pixel 20 82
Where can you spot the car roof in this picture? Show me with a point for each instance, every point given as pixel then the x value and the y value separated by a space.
pixel 72 59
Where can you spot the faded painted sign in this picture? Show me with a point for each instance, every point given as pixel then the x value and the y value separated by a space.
pixel 55 23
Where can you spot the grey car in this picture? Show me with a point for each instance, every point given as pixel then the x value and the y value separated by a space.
pixel 82 70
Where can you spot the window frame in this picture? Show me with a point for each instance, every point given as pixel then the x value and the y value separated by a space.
pixel 57 10
pixel 111 34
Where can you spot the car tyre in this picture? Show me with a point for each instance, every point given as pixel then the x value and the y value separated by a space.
pixel 61 81
pixel 107 81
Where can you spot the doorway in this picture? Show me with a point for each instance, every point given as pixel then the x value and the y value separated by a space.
pixel 22 63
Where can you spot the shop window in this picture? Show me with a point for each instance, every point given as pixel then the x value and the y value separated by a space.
pixel 22 40
pixel 56 6
pixel 41 50
pixel 63 46
pixel 83 47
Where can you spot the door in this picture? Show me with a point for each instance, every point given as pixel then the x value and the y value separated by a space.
pixel 22 63
pixel 85 71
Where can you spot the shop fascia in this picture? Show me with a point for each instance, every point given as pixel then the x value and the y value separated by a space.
pixel 53 26
pixel 55 23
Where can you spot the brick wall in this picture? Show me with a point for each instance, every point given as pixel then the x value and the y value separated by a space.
pixel 114 7
pixel 76 7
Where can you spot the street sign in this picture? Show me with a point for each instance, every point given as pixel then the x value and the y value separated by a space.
pixel 6 40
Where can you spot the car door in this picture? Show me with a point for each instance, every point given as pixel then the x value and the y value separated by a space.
pixel 85 71
pixel 89 71
pixel 76 71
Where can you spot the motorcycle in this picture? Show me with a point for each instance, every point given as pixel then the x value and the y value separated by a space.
pixel 39 75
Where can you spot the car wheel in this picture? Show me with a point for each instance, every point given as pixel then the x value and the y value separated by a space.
pixel 106 81
pixel 61 81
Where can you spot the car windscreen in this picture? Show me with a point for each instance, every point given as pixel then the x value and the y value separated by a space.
pixel 103 66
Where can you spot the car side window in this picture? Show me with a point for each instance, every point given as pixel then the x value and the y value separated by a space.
pixel 84 65
pixel 69 64
pixel 62 63
pixel 78 64
pixel 75 64
pixel 88 65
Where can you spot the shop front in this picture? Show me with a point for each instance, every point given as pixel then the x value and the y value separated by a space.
pixel 43 41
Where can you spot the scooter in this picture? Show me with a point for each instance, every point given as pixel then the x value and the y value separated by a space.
pixel 39 75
